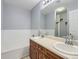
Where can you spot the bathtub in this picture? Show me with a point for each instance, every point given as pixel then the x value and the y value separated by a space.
pixel 16 53
pixel 14 43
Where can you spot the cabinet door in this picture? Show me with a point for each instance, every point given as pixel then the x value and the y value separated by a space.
pixel 51 55
pixel 33 53
pixel 42 56
pixel 47 57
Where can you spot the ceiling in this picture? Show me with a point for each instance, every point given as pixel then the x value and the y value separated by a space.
pixel 26 4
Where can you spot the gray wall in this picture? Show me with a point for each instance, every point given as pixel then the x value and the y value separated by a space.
pixel 38 19
pixel 42 21
pixel 35 16
pixel 15 18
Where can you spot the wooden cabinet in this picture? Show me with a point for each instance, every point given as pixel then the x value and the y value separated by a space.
pixel 41 55
pixel 39 52
pixel 33 53
pixel 33 50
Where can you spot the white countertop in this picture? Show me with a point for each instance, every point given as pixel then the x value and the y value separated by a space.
pixel 48 43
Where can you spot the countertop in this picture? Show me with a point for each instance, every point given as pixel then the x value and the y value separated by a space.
pixel 48 42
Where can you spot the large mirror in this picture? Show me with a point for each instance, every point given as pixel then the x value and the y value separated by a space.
pixel 59 18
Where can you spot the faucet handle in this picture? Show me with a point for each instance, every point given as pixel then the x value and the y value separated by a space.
pixel 70 36
pixel 33 35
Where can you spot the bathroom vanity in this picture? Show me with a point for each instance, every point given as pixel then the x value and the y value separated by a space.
pixel 39 52
pixel 42 48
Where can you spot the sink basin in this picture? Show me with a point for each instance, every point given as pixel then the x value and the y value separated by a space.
pixel 67 49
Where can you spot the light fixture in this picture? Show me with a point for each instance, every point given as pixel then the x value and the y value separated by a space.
pixel 44 2
pixel 47 1
pixel 60 9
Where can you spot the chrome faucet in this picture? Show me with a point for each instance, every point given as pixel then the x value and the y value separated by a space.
pixel 66 40
pixel 69 39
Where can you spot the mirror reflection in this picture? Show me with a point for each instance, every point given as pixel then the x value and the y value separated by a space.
pixel 59 17
pixel 61 25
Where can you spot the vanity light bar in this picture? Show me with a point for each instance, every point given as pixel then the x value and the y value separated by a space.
pixel 47 1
